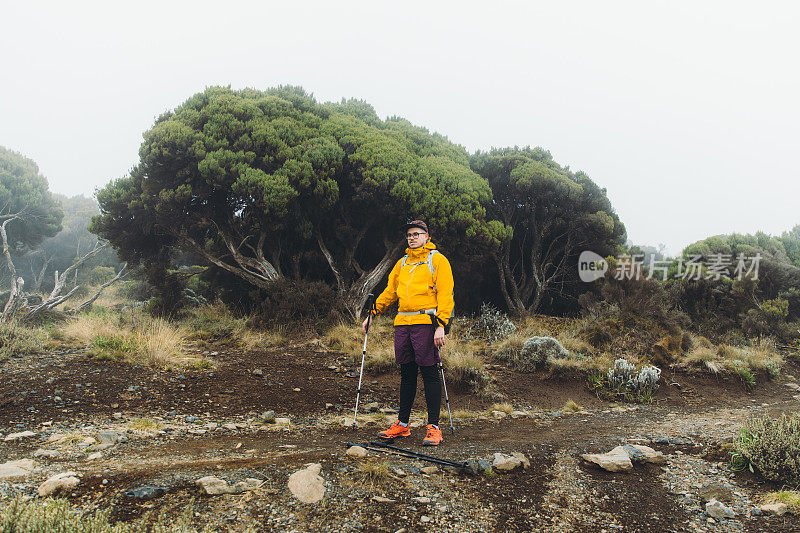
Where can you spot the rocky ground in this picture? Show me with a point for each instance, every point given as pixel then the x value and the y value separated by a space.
pixel 136 441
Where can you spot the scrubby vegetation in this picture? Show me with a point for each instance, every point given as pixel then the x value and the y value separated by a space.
pixel 56 514
pixel 770 447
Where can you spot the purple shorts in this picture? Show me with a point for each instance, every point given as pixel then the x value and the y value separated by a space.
pixel 415 343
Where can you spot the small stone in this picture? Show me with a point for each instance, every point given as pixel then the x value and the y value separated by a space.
pixel 347 422
pixel 258 372
pixel 50 454
pixel 718 510
pixel 617 460
pixel 519 414
pixel 716 491
pixel 505 463
pixel 296 389
pixel 213 485
pixel 425 518
pixel 283 421
pixel 60 482
pixel 18 436
pixel 429 469
pixel 649 454
pixel 111 437
pixel 381 499
pixel 306 485
pixel 116 416
pixel 94 456
pixel 268 416
pixel 422 499
pixel 230 426
pixel 356 451
pixel 371 407
pixel 399 472
pixel 16 469
pixel 388 410
pixel 190 419
pixel 793 386
pixel 328 406
pixel 499 415
pixel 778 509
pixel 415 424
pixel 521 457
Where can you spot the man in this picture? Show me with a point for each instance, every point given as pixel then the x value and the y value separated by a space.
pixel 423 282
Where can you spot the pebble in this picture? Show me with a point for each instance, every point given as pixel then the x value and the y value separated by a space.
pixel 356 451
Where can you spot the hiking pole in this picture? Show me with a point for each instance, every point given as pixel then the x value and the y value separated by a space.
pixel 446 398
pixel 415 455
pixel 370 298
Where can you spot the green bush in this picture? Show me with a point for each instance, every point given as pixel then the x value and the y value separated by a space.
pixel 100 274
pixel 112 347
pixel 770 447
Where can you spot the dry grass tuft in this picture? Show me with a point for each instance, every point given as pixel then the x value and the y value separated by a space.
pixel 216 323
pixel 789 497
pixel 17 339
pixel 571 407
pixel 137 338
pixel 504 407
pixel 761 357
pixel 373 474
pixel 465 371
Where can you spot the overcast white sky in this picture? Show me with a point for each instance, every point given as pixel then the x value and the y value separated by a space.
pixel 687 112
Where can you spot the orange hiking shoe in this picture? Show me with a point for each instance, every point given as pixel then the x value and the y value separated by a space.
pixel 434 436
pixel 397 430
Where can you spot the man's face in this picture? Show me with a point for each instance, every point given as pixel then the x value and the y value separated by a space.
pixel 416 237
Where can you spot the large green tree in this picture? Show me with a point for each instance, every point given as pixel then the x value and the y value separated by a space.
pixel 548 215
pixel 26 202
pixel 252 180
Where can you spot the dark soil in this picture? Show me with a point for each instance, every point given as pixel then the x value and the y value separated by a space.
pixel 92 390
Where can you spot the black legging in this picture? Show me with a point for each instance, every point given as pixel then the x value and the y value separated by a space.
pixel 408 391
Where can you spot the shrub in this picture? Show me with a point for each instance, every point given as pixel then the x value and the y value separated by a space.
pixel 491 325
pixel 622 381
pixel 101 274
pixel 302 304
pixel 536 351
pixel 770 447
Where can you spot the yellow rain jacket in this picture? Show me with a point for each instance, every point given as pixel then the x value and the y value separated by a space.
pixel 418 289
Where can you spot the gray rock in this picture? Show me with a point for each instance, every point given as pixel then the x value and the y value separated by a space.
pixel 268 416
pixel 648 453
pixel 506 463
pixel 111 437
pixel 50 454
pixel 147 492
pixel 18 436
pixel 190 419
pixel 778 509
pixel 214 486
pixel 617 460
pixel 716 491
pixel 306 485
pixel 64 481
pixel 719 510
pixel 371 407
pixel 356 451
pixel 636 455
pixel 429 469
pixel 16 469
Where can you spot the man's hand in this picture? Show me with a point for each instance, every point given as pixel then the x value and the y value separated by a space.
pixel 364 325
pixel 438 337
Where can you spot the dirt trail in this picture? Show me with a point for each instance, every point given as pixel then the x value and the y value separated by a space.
pixel 182 425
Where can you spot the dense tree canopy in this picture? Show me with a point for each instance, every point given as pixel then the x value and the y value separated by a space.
pixel 25 198
pixel 548 215
pixel 254 182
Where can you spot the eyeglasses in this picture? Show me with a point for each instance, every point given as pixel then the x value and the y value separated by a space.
pixel 414 235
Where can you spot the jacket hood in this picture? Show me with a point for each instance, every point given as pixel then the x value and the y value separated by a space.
pixel 422 250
